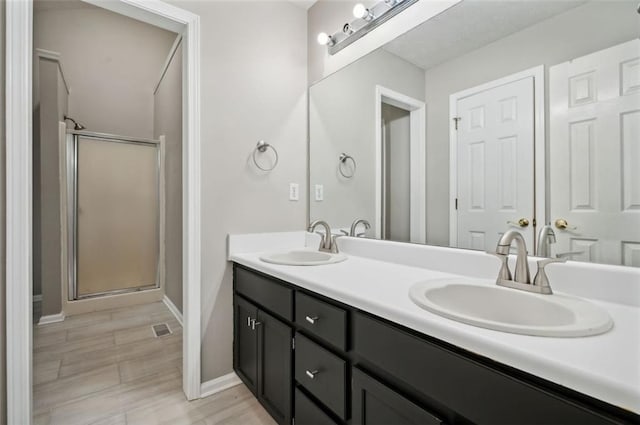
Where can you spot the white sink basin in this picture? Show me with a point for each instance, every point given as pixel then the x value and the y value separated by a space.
pixel 303 257
pixel 510 310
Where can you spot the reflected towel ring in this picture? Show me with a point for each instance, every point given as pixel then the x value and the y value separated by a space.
pixel 343 160
pixel 262 147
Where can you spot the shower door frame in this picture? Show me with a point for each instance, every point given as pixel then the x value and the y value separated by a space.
pixel 70 185
pixel 19 188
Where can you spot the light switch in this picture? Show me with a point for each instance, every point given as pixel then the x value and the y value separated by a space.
pixel 294 191
pixel 319 189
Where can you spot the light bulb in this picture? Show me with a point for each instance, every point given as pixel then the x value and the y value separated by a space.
pixel 361 12
pixel 324 39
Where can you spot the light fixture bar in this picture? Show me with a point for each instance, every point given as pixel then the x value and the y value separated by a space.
pixel 380 15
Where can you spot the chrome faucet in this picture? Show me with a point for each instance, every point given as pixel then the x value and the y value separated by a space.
pixel 354 227
pixel 546 237
pixel 522 279
pixel 328 241
pixel 521 273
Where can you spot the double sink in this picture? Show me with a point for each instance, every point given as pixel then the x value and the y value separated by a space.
pixel 478 303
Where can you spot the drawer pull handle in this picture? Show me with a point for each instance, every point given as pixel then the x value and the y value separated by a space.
pixel 311 320
pixel 254 323
pixel 311 374
pixel 248 321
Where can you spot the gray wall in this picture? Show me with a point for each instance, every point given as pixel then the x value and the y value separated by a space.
pixel 96 47
pixel 397 147
pixel 3 380
pixel 341 119
pixel 167 121
pixel 549 42
pixel 50 106
pixel 253 86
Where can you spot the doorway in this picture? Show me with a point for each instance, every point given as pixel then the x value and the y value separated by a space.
pixel 400 167
pixel 19 30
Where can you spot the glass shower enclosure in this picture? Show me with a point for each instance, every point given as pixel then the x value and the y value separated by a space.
pixel 113 186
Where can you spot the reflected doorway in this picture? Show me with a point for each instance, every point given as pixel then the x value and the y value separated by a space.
pixel 400 167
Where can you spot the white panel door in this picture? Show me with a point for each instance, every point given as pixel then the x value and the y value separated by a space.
pixel 595 155
pixel 495 167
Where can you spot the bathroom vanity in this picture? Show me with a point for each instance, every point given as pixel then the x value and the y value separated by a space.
pixel 312 358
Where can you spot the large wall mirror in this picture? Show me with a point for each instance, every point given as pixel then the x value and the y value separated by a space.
pixel 493 115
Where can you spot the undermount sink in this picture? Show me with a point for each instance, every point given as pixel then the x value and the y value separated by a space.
pixel 303 257
pixel 510 310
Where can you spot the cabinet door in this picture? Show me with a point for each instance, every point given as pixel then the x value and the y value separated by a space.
pixel 245 348
pixel 376 404
pixel 274 366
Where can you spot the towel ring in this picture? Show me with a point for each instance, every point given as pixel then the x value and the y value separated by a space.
pixel 343 160
pixel 262 147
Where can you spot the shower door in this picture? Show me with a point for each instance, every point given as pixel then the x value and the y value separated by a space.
pixel 115 215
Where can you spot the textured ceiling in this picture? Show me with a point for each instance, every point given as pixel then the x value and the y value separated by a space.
pixel 470 25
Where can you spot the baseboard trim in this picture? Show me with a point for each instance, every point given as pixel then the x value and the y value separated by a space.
pixel 173 309
pixel 37 298
pixel 219 384
pixel 52 318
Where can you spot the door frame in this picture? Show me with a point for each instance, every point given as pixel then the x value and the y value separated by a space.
pixel 539 148
pixel 18 84
pixel 418 161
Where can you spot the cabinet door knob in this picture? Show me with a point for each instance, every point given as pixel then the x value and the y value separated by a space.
pixel 312 319
pixel 248 321
pixel 311 373
pixel 254 323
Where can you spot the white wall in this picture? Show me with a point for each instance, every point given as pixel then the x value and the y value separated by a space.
pixel 398 146
pixel 112 64
pixel 341 119
pixel 3 334
pixel 254 82
pixel 548 42
pixel 167 121
pixel 50 106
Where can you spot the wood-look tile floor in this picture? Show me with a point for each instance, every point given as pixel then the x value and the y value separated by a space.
pixel 107 368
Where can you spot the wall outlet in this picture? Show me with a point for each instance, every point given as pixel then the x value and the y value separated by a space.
pixel 294 191
pixel 319 190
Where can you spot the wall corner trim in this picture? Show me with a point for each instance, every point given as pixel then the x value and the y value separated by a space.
pixel 173 309
pixel 219 384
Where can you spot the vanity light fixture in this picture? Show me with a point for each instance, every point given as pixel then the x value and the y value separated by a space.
pixel 367 18
pixel 348 29
pixel 361 12
pixel 325 39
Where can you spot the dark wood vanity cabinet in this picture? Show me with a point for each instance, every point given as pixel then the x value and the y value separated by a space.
pixel 263 357
pixel 313 361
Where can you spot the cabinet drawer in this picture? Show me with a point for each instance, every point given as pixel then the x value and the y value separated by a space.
pixel 473 390
pixel 322 373
pixel 322 319
pixel 376 404
pixel 307 413
pixel 264 291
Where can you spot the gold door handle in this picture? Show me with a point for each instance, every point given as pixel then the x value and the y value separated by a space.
pixel 562 224
pixel 523 222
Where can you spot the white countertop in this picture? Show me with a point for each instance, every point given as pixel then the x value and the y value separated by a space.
pixel 606 366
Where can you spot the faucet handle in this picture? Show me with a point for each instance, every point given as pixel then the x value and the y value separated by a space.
pixel 541 279
pixel 504 273
pixel 334 245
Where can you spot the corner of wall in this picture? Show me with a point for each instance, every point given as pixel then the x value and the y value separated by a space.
pixel 3 383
